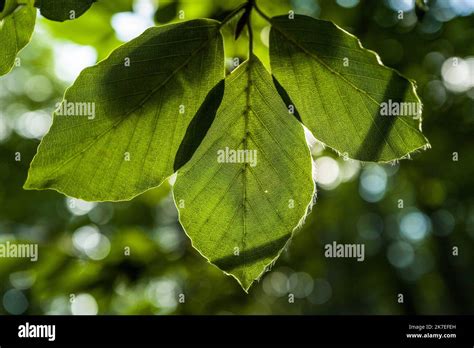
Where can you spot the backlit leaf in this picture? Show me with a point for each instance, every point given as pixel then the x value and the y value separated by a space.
pixel 16 27
pixel 126 117
pixel 241 212
pixel 339 90
pixel 62 10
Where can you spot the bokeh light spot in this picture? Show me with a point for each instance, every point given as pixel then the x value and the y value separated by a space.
pixel 79 207
pixel 373 183
pixel 300 284
pixel 347 3
pixel 71 59
pixel 322 291
pixel 15 302
pixel 457 74
pixel 84 304
pixel 327 172
pixel 38 88
pixel 414 226
pixel 400 254
pixel 129 25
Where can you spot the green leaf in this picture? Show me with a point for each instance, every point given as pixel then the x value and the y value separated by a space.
pixel 16 27
pixel 166 11
pixel 241 215
pixel 62 10
pixel 143 96
pixel 7 7
pixel 338 88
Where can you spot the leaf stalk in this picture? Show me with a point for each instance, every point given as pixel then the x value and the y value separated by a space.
pixel 232 14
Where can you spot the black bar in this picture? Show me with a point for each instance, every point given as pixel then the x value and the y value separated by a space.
pixel 262 330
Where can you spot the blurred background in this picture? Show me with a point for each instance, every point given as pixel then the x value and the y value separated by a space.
pixel 410 215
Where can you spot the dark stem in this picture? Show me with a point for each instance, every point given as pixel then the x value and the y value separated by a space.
pixel 248 7
pixel 250 32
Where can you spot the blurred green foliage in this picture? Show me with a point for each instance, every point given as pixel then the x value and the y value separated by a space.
pixel 133 258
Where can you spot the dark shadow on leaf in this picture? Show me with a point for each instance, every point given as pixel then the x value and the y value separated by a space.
pixel 2 5
pixel 381 127
pixel 286 98
pixel 146 71
pixel 376 136
pixel 379 130
pixel 270 249
pixel 134 74
pixel 199 125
